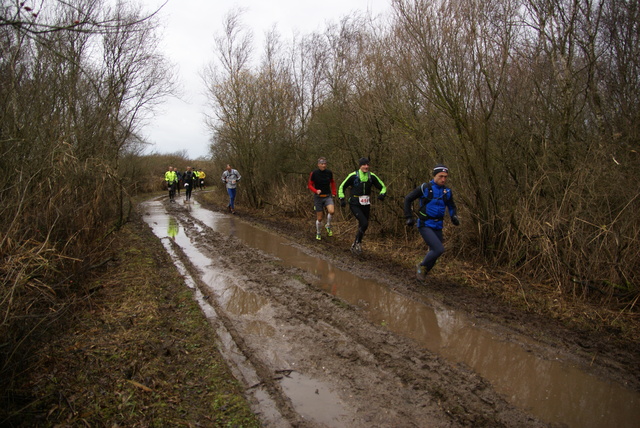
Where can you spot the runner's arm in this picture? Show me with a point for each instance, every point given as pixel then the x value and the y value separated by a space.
pixel 310 183
pixel 408 201
pixel 346 183
pixel 451 205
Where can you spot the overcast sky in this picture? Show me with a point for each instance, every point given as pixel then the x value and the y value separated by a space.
pixel 188 43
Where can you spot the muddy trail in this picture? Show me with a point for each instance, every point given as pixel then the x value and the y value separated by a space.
pixel 340 341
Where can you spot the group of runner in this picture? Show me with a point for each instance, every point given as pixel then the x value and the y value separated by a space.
pixel 189 179
pixel 435 199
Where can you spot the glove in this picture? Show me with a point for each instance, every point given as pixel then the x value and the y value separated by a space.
pixel 455 220
pixel 410 221
pixel 381 196
pixel 343 203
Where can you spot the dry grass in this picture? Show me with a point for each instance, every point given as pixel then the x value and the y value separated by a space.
pixel 138 352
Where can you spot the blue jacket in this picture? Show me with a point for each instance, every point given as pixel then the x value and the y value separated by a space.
pixel 432 204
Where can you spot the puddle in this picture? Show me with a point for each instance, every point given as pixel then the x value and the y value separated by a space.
pixel 550 389
pixel 312 399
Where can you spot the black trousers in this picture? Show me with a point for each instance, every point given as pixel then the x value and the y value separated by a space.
pixel 361 213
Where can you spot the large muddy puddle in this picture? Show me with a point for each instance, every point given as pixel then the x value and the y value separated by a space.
pixel 549 388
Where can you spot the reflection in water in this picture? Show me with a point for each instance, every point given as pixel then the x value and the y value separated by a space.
pixel 239 302
pixel 172 229
pixel 552 390
pixel 260 328
pixel 312 399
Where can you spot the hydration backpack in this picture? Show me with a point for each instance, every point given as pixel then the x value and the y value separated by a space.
pixel 427 196
pixel 356 181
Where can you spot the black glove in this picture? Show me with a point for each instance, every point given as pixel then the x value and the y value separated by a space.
pixel 343 203
pixel 381 196
pixel 455 220
pixel 410 221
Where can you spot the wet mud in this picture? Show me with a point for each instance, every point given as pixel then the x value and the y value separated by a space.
pixel 325 341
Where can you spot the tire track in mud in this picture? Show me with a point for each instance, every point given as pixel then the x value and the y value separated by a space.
pixel 387 380
pixel 266 375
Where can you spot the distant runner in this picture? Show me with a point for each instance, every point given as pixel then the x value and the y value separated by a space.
pixel 323 186
pixel 230 178
pixel 189 178
pixel 171 179
pixel 201 177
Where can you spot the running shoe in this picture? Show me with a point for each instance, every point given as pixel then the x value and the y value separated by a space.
pixel 318 237
pixel 329 231
pixel 421 273
pixel 356 248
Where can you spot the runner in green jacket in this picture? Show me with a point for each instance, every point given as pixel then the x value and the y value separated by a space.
pixel 361 181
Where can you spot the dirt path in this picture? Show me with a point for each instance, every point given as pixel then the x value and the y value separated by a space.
pixel 296 336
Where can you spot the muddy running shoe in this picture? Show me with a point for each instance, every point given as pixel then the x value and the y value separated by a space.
pixel 421 273
pixel 356 248
pixel 329 231
pixel 318 237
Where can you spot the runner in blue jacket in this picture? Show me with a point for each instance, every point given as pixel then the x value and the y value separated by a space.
pixel 435 198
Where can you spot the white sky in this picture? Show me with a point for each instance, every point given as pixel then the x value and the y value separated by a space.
pixel 188 43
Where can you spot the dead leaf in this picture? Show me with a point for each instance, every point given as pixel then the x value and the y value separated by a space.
pixel 139 385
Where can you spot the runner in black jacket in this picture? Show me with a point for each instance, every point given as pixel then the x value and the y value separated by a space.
pixel 323 186
pixel 189 180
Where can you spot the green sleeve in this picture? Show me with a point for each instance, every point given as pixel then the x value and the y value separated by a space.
pixel 344 185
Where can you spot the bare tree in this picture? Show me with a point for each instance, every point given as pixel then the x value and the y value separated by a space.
pixel 527 100
pixel 65 117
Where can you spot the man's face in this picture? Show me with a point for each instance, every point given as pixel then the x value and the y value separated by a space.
pixel 441 178
pixel 322 166
pixel 364 168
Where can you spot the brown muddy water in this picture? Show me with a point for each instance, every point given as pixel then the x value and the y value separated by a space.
pixel 549 388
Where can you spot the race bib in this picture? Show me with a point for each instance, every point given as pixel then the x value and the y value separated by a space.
pixel 364 200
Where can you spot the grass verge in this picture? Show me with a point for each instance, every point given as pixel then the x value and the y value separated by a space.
pixel 137 352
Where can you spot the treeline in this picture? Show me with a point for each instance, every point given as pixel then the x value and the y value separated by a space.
pixel 533 104
pixel 76 80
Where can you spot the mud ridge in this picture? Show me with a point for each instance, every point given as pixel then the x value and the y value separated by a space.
pixel 383 377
